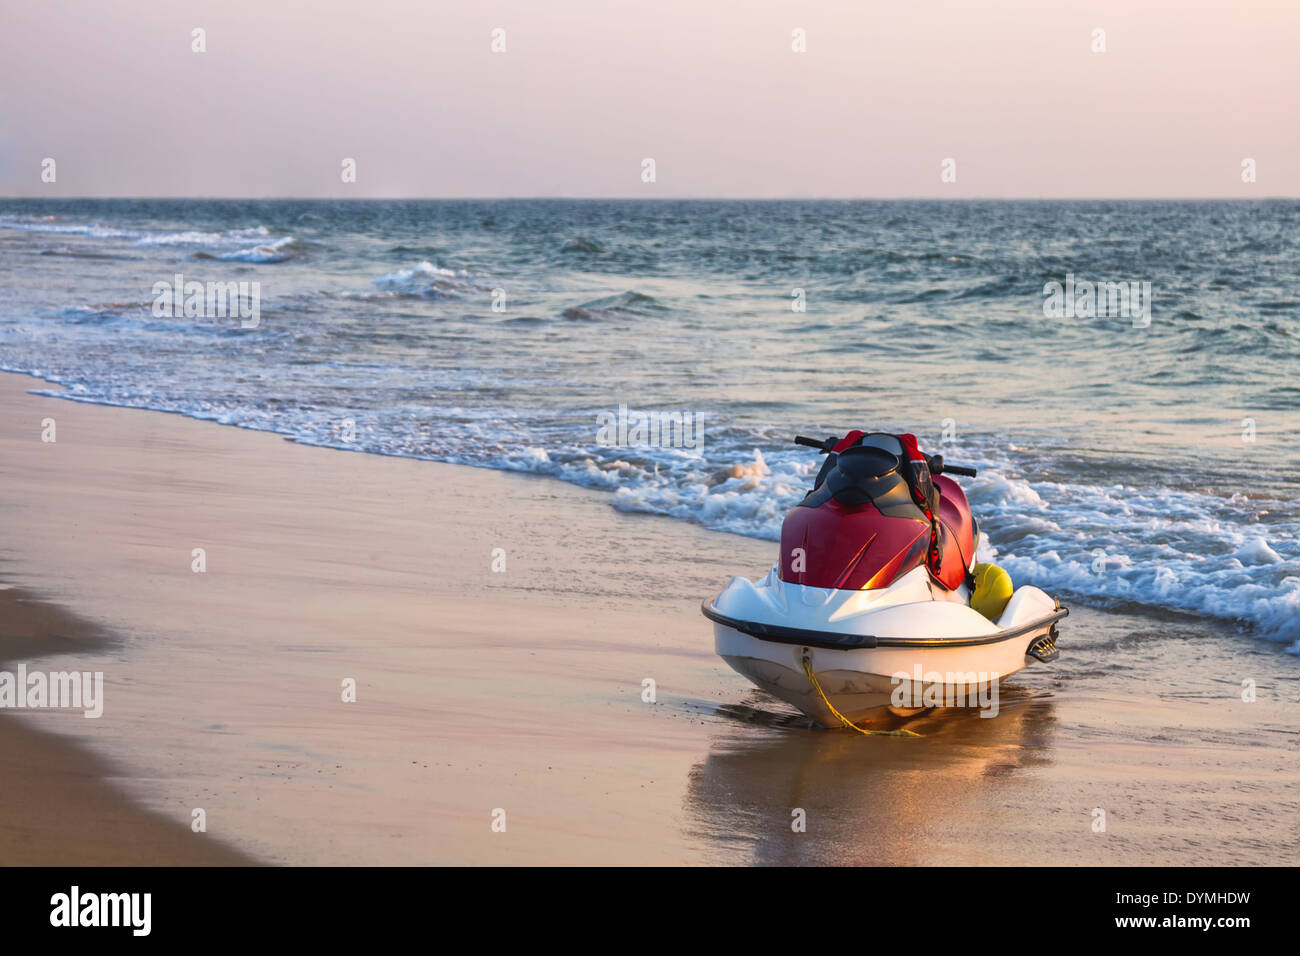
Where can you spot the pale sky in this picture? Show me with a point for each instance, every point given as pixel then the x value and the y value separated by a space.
pixel 710 89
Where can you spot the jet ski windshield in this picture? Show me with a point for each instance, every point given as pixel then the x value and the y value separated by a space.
pixel 889 443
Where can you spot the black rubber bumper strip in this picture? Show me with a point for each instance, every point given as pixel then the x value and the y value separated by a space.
pixel 834 640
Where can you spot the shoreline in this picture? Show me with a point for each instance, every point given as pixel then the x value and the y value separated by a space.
pixel 478 690
pixel 59 807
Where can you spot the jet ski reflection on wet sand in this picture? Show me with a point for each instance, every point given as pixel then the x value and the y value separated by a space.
pixel 876 600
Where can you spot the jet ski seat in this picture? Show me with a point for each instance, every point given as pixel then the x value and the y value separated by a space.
pixel 863 474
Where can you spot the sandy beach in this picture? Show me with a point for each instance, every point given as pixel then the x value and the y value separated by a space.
pixel 59 807
pixel 480 690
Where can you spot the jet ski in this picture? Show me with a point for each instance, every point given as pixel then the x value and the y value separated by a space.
pixel 876 603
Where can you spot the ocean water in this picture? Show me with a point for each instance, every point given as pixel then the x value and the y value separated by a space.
pixel 1137 462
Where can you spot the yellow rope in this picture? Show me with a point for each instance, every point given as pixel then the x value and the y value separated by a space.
pixel 812 679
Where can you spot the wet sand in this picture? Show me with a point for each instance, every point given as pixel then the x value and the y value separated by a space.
pixel 58 808
pixel 521 690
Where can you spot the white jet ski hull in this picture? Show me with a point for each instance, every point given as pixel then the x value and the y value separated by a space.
pixel 892 647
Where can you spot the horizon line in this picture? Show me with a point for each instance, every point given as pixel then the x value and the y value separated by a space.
pixel 669 198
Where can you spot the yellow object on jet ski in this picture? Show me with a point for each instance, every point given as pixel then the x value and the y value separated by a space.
pixel 992 590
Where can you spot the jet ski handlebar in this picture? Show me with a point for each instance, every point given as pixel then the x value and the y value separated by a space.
pixel 825 445
pixel 937 465
pixel 941 467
